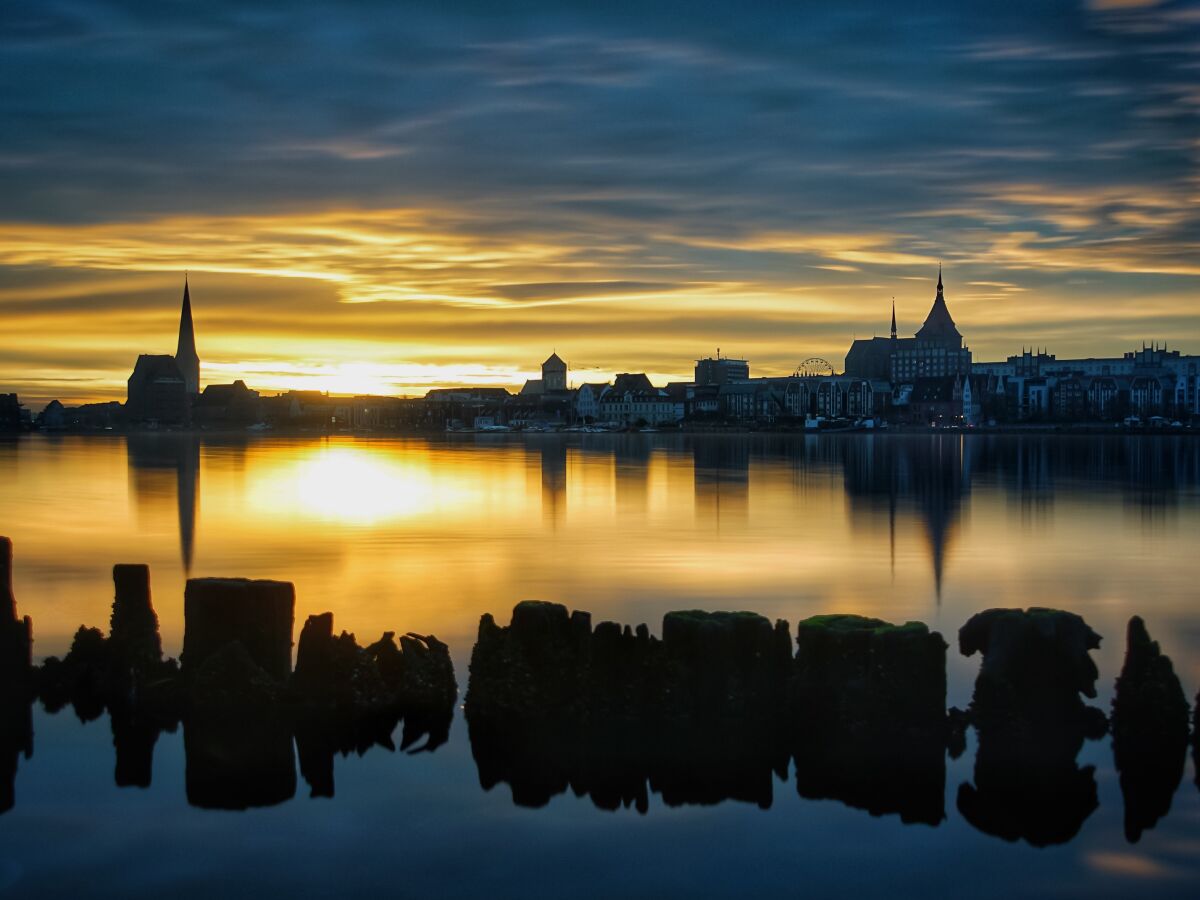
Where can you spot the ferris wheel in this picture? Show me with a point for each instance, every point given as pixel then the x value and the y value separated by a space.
pixel 812 366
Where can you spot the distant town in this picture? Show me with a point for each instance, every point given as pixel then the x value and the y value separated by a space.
pixel 929 379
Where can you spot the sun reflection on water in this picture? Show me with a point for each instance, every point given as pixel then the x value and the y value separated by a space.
pixel 353 486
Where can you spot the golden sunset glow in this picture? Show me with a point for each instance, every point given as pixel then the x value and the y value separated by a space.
pixel 353 486
pixel 394 531
pixel 396 302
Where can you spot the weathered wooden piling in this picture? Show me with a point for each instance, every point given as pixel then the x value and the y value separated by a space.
pixel 257 614
pixel 16 634
pixel 1150 731
pixel 133 636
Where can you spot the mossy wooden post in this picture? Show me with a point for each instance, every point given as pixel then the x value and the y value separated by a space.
pixel 257 614
pixel 133 628
pixel 855 671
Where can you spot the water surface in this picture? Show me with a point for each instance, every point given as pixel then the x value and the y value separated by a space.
pixel 425 535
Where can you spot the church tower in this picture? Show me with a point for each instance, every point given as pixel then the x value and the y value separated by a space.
pixel 186 357
pixel 554 374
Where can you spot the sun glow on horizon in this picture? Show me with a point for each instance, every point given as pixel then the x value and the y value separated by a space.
pixel 394 302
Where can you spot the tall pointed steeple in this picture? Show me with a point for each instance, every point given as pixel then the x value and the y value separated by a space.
pixel 186 357
pixel 939 326
pixel 893 318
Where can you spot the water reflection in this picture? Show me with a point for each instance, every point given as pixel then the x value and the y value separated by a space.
pixel 921 480
pixel 553 455
pixel 162 465
pixel 721 478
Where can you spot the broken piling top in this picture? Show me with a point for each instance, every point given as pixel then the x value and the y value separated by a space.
pixel 8 603
pixel 133 628
pixel 16 634
pixel 1149 706
pixel 1033 650
pixel 859 670
pixel 257 614
pixel 742 639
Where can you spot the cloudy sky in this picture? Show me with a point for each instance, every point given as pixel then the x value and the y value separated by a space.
pixel 385 197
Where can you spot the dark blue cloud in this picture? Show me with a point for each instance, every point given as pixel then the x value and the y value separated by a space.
pixel 634 121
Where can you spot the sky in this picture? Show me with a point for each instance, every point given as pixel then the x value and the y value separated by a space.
pixel 378 197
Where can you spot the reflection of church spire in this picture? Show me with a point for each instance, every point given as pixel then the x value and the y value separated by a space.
pixel 938 534
pixel 892 526
pixel 156 460
pixel 187 479
pixel 554 482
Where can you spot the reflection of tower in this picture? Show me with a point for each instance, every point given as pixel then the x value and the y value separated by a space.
pixel 923 479
pixel 554 480
pixel 187 479
pixel 186 358
pixel 721 469
pixel 631 462
pixel 939 489
pixel 152 461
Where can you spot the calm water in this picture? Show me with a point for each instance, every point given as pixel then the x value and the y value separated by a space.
pixel 403 535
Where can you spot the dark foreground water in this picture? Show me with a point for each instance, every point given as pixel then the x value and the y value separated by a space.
pixel 403 535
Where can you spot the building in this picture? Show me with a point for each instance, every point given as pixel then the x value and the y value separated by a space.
pixel 633 400
pixel 587 401
pixel 87 417
pixel 872 357
pixel 937 349
pixel 722 370
pixel 156 393
pixel 1152 381
pixel 554 375
pixel 553 380
pixel 12 416
pixel 161 389
pixel 227 405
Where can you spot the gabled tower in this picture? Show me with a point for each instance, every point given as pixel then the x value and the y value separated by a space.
pixel 554 374
pixel 939 327
pixel 186 357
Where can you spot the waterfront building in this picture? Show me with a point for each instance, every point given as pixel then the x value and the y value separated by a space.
pixel 633 400
pixel 161 388
pixel 156 392
pixel 587 401
pixel 1151 381
pixel 935 351
pixel 12 414
pixel 227 405
pixel 721 370
pixel 553 380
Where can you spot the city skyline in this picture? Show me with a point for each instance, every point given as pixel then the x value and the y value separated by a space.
pixel 398 200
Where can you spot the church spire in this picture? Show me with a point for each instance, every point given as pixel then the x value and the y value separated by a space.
pixel 186 357
pixel 939 289
pixel 893 318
